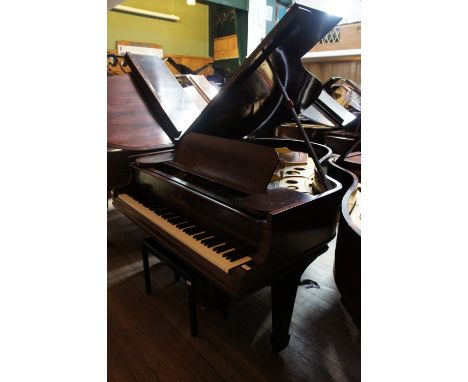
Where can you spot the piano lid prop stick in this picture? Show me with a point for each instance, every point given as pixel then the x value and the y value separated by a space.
pixel 290 106
pixel 343 156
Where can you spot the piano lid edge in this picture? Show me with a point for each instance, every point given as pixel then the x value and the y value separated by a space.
pixel 281 43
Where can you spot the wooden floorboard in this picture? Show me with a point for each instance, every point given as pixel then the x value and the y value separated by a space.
pixel 149 336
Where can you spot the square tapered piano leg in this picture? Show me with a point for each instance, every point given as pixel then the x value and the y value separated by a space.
pixel 283 296
pixel 192 309
pixel 146 269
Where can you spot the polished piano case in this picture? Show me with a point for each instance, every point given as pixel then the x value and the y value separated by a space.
pixel 211 188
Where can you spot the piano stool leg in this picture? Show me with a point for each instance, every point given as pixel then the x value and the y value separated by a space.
pixel 192 309
pixel 283 296
pixel 146 270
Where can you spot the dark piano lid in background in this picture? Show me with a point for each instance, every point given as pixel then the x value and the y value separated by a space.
pixel 131 124
pixel 251 100
pixel 164 94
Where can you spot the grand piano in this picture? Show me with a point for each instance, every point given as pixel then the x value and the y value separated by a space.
pixel 243 212
pixel 347 267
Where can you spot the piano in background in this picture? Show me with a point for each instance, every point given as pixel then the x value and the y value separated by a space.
pixel 120 148
pixel 347 267
pixel 333 119
pixel 348 95
pixel 208 193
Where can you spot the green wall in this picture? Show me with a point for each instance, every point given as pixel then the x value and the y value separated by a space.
pixel 189 36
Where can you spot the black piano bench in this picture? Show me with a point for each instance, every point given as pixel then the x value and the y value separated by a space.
pixel 150 245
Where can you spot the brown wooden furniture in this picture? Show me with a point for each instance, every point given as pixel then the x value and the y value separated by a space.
pixel 342 66
pixel 139 44
pixel 197 198
pixel 225 47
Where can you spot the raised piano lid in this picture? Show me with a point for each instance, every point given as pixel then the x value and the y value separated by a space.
pixel 251 100
pixel 174 108
pixel 131 124
pixel 147 109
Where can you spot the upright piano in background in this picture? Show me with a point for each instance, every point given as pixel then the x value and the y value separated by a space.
pixel 242 212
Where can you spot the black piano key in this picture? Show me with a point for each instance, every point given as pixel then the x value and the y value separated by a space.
pixel 152 206
pixel 158 211
pixel 203 235
pixel 234 254
pixel 223 247
pixel 231 250
pixel 217 239
pixel 184 225
pixel 194 230
pixel 167 215
pixel 219 244
pixel 177 220
pixel 246 251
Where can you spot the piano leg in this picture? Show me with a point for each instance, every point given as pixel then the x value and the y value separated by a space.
pixel 192 309
pixel 283 296
pixel 146 270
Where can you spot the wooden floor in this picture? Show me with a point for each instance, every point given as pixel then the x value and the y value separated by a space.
pixel 149 338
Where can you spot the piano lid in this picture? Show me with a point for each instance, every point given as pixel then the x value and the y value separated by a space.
pixel 251 99
pixel 174 108
pixel 131 124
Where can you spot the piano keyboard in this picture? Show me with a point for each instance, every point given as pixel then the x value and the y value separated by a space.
pixel 222 251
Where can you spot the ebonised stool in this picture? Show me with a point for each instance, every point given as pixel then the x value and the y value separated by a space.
pixel 151 246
